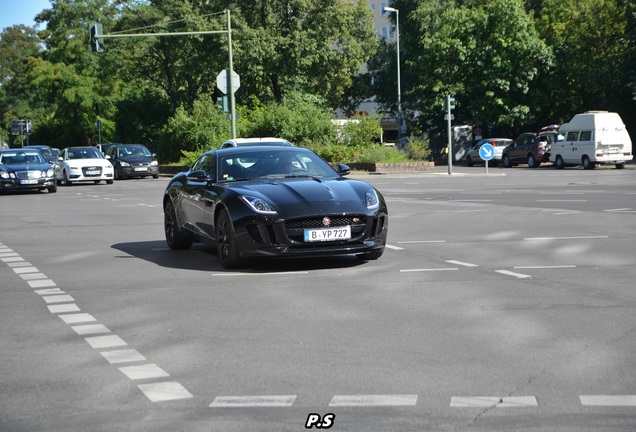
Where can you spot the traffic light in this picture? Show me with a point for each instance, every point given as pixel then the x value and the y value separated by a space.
pixel 97 42
pixel 450 103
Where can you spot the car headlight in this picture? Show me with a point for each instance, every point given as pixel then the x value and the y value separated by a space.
pixel 259 205
pixel 122 163
pixel 372 199
pixel 154 163
pixel 4 174
pixel 50 172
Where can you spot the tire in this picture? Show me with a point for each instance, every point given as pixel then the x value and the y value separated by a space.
pixel 532 162
pixel 52 189
pixel 506 162
pixel 587 163
pixel 117 175
pixel 469 161
pixel 155 176
pixel 98 181
pixel 227 249
pixel 369 256
pixel 620 165
pixel 66 181
pixel 109 182
pixel 558 163
pixel 174 236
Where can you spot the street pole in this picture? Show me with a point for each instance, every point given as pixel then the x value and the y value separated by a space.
pixel 450 135
pixel 231 84
pixel 399 90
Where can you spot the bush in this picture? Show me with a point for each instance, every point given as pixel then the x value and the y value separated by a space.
pixel 381 153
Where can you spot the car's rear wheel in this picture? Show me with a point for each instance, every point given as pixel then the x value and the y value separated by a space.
pixel 469 161
pixel 587 163
pixel 532 162
pixel 620 165
pixel 227 249
pixel 174 236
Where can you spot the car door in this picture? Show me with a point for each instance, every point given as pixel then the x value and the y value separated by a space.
pixel 198 197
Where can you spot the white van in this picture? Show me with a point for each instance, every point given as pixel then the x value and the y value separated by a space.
pixel 592 138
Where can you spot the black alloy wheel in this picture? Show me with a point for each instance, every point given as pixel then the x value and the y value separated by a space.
pixel 227 249
pixel 174 236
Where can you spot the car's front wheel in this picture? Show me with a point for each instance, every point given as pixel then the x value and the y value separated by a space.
pixel 174 236
pixel 506 162
pixel 469 161
pixel 559 162
pixel 227 249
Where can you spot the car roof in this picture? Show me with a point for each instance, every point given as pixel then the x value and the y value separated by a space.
pixel 258 141
pixel 261 148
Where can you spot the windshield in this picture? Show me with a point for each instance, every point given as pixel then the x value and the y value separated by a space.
pixel 273 164
pixel 133 150
pixel 21 157
pixel 84 153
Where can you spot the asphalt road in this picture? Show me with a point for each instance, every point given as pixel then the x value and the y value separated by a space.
pixel 502 303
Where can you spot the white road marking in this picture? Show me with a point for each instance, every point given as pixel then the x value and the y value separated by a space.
pixel 70 307
pixel 566 238
pixel 373 400
pixel 422 241
pixel 77 318
pixel 253 401
pixel 465 264
pixel 428 270
pixel 33 276
pixel 8 254
pixel 545 267
pixel 41 283
pixel 460 211
pixel 621 210
pixel 560 200
pixel 49 291
pixel 90 329
pixel 12 259
pixel 123 356
pixel 493 401
pixel 608 400
pixel 164 391
pixel 58 298
pixel 144 371
pixel 517 275
pixel 13 265
pixel 29 269
pixel 105 341
pixel 393 247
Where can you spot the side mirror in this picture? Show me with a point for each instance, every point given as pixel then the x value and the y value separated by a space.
pixel 343 169
pixel 199 176
pixel 107 156
pixel 154 155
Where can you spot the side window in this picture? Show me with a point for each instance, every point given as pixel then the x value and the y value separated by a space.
pixel 572 136
pixel 585 136
pixel 199 163
pixel 208 165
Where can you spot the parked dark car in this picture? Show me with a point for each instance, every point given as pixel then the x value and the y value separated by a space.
pixel 104 147
pixel 273 202
pixel 133 160
pixel 47 152
pixel 25 169
pixel 530 148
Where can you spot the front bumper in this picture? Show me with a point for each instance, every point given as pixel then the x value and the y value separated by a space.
pixel 139 170
pixel 285 238
pixel 34 184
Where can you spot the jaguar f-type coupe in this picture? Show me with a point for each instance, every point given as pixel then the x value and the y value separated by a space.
pixel 267 201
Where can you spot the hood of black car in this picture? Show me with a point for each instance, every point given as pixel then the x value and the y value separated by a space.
pixel 309 196
pixel 27 167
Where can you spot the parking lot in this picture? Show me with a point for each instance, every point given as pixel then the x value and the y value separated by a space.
pixel 502 302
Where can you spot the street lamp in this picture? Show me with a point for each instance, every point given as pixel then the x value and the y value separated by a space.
pixel 399 92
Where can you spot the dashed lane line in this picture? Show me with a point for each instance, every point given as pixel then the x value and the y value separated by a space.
pixel 60 303
pixel 493 401
pixel 517 275
pixel 373 400
pixel 253 401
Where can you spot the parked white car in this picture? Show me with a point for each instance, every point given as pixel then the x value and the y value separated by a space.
pixel 81 164
pixel 592 138
pixel 499 144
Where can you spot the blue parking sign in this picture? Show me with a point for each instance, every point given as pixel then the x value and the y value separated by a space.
pixel 487 152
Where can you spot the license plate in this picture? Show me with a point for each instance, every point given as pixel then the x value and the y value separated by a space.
pixel 141 169
pixel 92 173
pixel 32 181
pixel 328 234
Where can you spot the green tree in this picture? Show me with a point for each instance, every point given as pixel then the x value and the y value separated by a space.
pixel 488 55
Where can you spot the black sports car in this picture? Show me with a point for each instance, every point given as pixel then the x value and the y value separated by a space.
pixel 273 201
pixel 25 169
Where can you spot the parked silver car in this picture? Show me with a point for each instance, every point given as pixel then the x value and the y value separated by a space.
pixel 499 144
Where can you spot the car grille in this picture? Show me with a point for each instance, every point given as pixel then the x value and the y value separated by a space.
pixel 92 171
pixel 294 228
pixel 25 175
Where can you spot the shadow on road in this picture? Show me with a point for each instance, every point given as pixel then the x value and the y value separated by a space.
pixel 203 258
